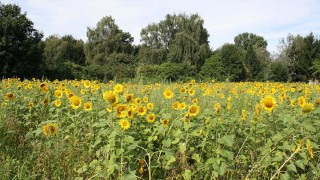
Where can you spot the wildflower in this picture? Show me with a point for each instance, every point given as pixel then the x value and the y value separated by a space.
pixel 150 106
pixel 87 106
pixel 86 83
pixel 307 107
pixel 268 103
pixel 9 96
pixel 110 97
pixel 141 111
pixel 193 110
pixel 243 115
pixel 30 104
pixel 168 94
pixel 191 92
pixel 182 105
pixel 138 101
pixel 145 99
pixel 165 122
pixel 217 107
pixel 183 90
pixel 57 103
pixel 124 124
pixel 58 93
pixel 118 88
pixel 75 102
pixel 175 105
pixel 129 97
pixel 50 129
pixel 301 101
pixel 151 117
pixel 309 148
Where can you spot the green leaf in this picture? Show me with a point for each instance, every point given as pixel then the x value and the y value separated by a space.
pixel 227 154
pixel 300 164
pixel 284 176
pixel 308 127
pixel 166 142
pixel 176 140
pixel 82 169
pixel 129 139
pixel 196 157
pixel 292 167
pixel 182 147
pixel 226 140
pixel 131 175
pixel 187 174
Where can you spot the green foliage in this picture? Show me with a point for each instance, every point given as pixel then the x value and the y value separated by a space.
pixel 184 38
pixel 278 72
pixel 60 53
pixel 225 64
pixel 300 54
pixel 20 44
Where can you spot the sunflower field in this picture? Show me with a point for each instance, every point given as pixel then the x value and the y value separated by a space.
pixel 81 129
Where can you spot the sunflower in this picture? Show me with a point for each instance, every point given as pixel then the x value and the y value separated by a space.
pixel 46 101
pixel 138 101
pixel 129 97
pixel 141 111
pixel 317 101
pixel 243 115
pixel 268 103
pixel 124 124
pixel 9 96
pixel 175 105
pixel 182 105
pixel 110 97
pixel 75 102
pixel 30 105
pixel 118 88
pixel 121 110
pixel 183 90
pixel 309 148
pixel 58 93
pixel 86 83
pixel 145 99
pixel 50 129
pixel 191 92
pixel 150 106
pixel 307 107
pixel 57 103
pixel 87 106
pixel 130 113
pixel 151 117
pixel 168 94
pixel 165 122
pixel 193 110
pixel 301 101
pixel 217 107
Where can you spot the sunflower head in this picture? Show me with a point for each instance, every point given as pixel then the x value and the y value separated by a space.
pixel 193 110
pixel 50 129
pixel 110 97
pixel 268 103
pixel 301 101
pixel 75 102
pixel 151 117
pixel 307 107
pixel 168 94
pixel 165 122
pixel 124 124
pixel 87 106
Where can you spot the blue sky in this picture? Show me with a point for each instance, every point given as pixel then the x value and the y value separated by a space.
pixel 224 19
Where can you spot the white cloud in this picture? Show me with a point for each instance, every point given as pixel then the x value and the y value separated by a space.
pixel 272 19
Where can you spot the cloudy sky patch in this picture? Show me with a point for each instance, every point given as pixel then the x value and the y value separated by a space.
pixel 272 19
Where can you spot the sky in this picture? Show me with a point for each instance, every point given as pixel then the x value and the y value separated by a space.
pixel 224 19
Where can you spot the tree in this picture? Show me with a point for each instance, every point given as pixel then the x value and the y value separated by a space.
pixel 20 44
pixel 225 64
pixel 301 53
pixel 109 51
pixel 183 37
pixel 60 51
pixel 255 52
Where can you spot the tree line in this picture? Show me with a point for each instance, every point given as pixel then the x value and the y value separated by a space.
pixel 174 49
